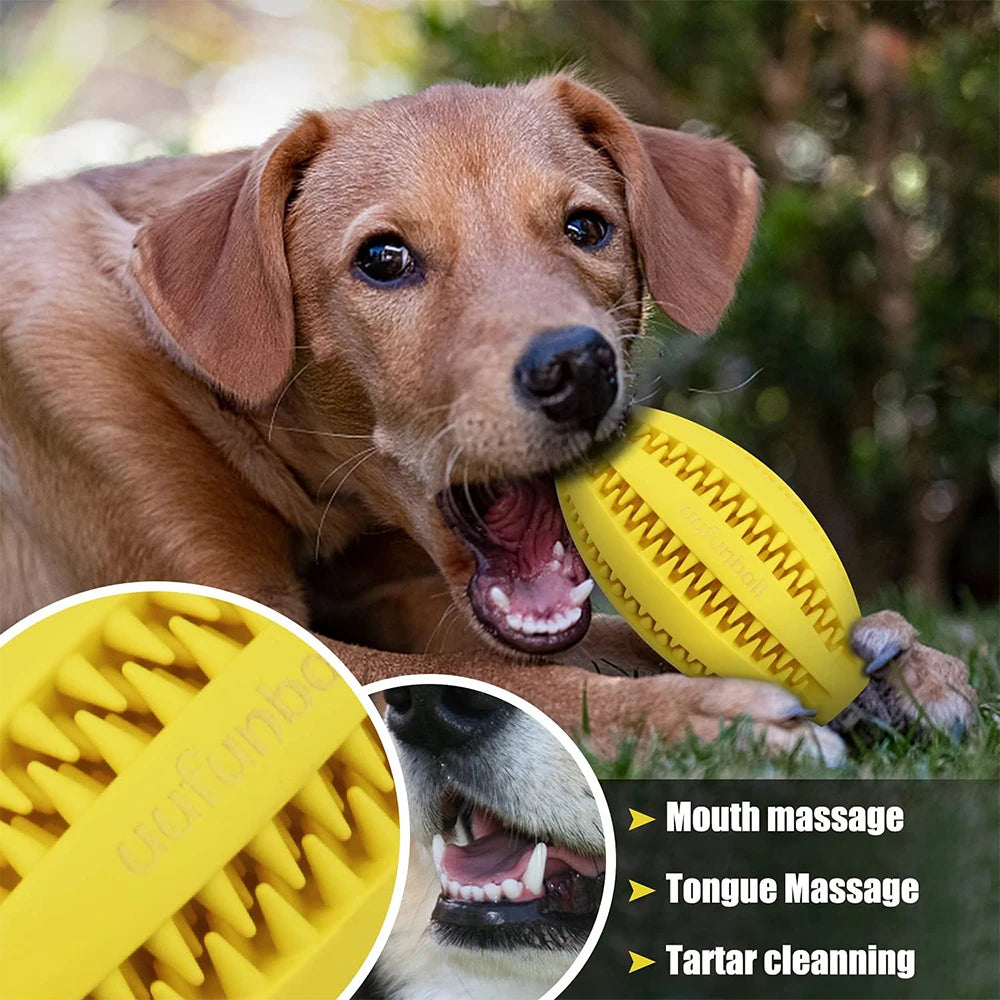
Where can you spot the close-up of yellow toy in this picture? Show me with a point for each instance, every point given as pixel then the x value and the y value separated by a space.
pixel 715 562
pixel 195 803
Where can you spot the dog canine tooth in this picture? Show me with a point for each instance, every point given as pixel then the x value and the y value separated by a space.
pixel 558 550
pixel 582 591
pixel 573 616
pixel 493 892
pixel 462 834
pixel 512 888
pixel 534 874
pixel 437 849
pixel 500 599
pixel 444 882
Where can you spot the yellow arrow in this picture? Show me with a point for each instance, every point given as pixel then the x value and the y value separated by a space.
pixel 638 891
pixel 639 819
pixel 639 962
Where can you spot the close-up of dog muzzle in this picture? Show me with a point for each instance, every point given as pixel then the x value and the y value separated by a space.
pixel 511 824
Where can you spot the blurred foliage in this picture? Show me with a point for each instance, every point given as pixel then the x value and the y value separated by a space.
pixel 870 302
pixel 860 357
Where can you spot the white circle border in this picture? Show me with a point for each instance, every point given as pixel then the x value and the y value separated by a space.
pixel 362 693
pixel 568 744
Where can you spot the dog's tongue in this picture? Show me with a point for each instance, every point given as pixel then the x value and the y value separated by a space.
pixel 492 858
pixel 497 853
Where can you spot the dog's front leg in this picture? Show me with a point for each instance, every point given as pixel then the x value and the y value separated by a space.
pixel 604 710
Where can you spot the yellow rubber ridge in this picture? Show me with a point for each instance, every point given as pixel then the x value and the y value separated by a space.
pixel 715 562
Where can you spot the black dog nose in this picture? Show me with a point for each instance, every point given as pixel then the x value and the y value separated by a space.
pixel 439 717
pixel 570 375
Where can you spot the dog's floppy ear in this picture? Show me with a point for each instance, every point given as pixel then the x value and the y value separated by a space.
pixel 212 266
pixel 692 203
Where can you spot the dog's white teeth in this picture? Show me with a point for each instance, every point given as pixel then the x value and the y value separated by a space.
pixel 581 591
pixel 437 849
pixel 560 620
pixel 478 894
pixel 467 892
pixel 511 888
pixel 454 889
pixel 493 892
pixel 500 599
pixel 555 565
pixel 534 874
pixel 444 882
pixel 462 835
pixel 558 550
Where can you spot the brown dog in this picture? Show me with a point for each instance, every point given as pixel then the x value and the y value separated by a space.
pixel 226 369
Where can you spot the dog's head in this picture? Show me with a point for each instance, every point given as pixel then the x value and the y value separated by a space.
pixel 455 277
pixel 509 820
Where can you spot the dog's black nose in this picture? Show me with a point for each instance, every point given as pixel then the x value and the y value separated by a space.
pixel 570 375
pixel 439 717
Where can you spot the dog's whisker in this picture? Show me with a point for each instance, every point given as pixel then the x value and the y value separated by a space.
pixel 622 305
pixel 430 444
pixel 281 396
pixel 337 468
pixel 437 409
pixel 365 455
pixel 448 612
pixel 449 628
pixel 652 392
pixel 306 430
pixel 477 517
pixel 734 388
pixel 449 467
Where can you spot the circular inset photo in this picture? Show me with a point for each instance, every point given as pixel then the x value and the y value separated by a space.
pixel 512 851
pixel 196 800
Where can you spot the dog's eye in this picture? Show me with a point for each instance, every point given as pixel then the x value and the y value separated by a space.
pixel 386 260
pixel 589 230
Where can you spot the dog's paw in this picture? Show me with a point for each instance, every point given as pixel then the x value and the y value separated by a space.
pixel 776 714
pixel 911 684
pixel 671 706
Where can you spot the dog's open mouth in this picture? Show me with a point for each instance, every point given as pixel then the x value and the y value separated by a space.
pixel 503 888
pixel 530 588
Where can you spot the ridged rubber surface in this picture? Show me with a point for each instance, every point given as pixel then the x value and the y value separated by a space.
pixel 289 909
pixel 714 562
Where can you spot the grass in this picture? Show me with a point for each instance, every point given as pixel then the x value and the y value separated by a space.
pixel 973 635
